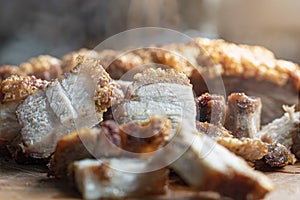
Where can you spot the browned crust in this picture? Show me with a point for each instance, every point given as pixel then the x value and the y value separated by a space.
pixel 250 62
pixel 107 90
pixel 249 149
pixel 213 130
pixel 69 61
pixel 44 67
pixel 8 70
pixel 16 88
pixel 152 76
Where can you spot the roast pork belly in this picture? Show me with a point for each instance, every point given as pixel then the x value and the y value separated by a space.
pixel 243 117
pixel 243 68
pixel 110 140
pixel 161 92
pixel 77 101
pixel 211 108
pixel 206 165
pixel 117 178
pixel 14 90
pixel 44 67
pixel 248 148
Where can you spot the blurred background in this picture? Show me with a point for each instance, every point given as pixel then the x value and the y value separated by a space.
pixel 33 27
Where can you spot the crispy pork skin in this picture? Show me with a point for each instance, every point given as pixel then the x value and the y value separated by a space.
pixel 8 70
pixel 100 179
pixel 77 101
pixel 211 108
pixel 206 165
pixel 44 67
pixel 14 90
pixel 110 140
pixel 243 118
pixel 248 148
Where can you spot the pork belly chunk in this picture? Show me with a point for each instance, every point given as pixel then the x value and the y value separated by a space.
pixel 110 140
pixel 100 179
pixel 77 101
pixel 243 118
pixel 211 108
pixel 206 165
pixel 14 90
pixel 160 92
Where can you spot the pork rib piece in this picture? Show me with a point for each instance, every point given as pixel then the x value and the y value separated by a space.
pixel 248 148
pixel 78 101
pixel 211 108
pixel 14 90
pixel 243 118
pixel 110 140
pixel 206 165
pixel 100 179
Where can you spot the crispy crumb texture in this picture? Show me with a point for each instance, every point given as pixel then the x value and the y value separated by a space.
pixel 44 67
pixel 16 88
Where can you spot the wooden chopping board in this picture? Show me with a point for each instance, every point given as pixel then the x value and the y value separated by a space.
pixel 31 182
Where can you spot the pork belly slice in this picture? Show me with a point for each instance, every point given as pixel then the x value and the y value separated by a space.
pixel 78 101
pixel 247 148
pixel 44 67
pixel 158 92
pixel 101 179
pixel 14 90
pixel 243 118
pixel 110 140
pixel 206 165
pixel 211 108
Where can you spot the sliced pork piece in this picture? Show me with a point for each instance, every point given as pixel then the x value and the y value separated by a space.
pixel 243 118
pixel 159 92
pixel 280 130
pixel 100 179
pixel 296 141
pixel 206 165
pixel 78 101
pixel 211 108
pixel 44 67
pixel 248 148
pixel 14 90
pixel 110 140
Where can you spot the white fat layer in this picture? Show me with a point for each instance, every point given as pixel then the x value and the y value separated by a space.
pixel 280 129
pixel 173 101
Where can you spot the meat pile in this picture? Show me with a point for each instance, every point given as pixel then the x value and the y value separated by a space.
pixel 114 138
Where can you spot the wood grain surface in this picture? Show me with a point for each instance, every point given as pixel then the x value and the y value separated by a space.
pixel 31 182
